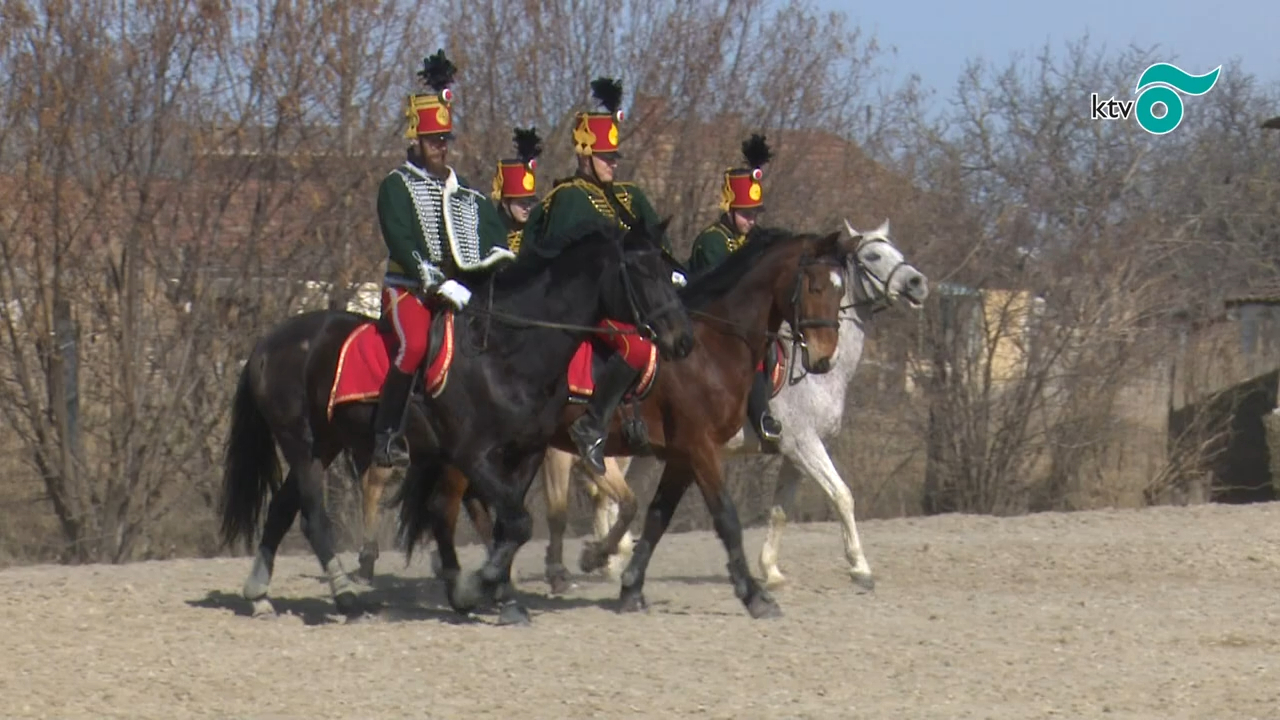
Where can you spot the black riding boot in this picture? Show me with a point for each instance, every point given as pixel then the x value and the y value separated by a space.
pixel 388 422
pixel 590 431
pixel 765 425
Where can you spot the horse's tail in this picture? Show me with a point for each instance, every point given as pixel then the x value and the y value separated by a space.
pixel 250 469
pixel 414 500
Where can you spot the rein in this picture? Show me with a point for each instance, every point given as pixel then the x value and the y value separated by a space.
pixel 519 321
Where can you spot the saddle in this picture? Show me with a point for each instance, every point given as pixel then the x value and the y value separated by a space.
pixel 586 366
pixel 367 353
pixel 440 331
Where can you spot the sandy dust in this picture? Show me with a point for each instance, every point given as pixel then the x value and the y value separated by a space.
pixel 1160 613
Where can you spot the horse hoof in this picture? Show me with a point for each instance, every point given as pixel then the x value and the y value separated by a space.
pixel 633 602
pixel 364 573
pixel 613 570
pixel 774 580
pixel 263 609
pixel 593 557
pixel 467 593
pixel 513 613
pixel 560 583
pixel 347 603
pixel 866 582
pixel 363 618
pixel 450 577
pixel 763 607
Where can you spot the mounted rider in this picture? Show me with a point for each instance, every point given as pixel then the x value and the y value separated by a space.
pixel 576 205
pixel 435 227
pixel 741 202
pixel 514 186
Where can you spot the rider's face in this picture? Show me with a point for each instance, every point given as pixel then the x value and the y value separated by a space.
pixel 604 166
pixel 435 154
pixel 519 210
pixel 743 221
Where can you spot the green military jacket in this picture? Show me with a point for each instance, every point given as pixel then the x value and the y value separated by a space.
pixel 436 228
pixel 515 231
pixel 576 206
pixel 712 246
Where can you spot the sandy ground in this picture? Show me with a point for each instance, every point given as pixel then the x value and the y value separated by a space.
pixel 1161 613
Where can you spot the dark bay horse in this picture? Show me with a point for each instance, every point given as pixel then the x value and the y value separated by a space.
pixel 698 404
pixel 493 418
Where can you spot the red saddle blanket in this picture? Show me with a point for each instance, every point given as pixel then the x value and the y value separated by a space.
pixel 582 381
pixel 366 357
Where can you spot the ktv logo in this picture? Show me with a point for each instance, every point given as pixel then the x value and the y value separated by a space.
pixel 1158 88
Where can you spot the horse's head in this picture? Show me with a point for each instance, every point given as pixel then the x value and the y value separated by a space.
pixel 881 274
pixel 647 295
pixel 811 304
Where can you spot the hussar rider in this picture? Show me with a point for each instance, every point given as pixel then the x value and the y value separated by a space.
pixel 435 226
pixel 741 202
pixel 576 205
pixel 514 186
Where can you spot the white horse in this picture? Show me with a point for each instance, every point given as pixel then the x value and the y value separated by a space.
pixel 810 411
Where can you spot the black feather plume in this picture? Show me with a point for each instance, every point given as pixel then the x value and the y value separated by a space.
pixel 437 71
pixel 528 144
pixel 756 151
pixel 608 92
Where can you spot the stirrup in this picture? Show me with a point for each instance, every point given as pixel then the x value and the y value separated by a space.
pixel 765 432
pixel 590 442
pixel 389 452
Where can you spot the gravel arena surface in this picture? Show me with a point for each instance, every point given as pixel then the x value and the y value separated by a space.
pixel 1159 613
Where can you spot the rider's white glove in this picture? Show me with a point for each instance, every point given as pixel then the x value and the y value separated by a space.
pixel 430 274
pixel 678 279
pixel 455 292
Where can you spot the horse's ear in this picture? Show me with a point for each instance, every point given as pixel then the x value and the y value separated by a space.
pixel 849 243
pixel 832 244
pixel 662 226
pixel 883 230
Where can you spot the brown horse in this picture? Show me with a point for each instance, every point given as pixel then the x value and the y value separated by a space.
pixel 697 405
pixel 880 277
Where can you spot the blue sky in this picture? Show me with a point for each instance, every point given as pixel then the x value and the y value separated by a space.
pixel 935 37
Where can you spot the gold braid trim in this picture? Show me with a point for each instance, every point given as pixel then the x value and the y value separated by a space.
pixel 731 241
pixel 598 199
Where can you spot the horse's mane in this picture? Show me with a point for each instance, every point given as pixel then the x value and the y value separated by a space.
pixel 709 286
pixel 528 267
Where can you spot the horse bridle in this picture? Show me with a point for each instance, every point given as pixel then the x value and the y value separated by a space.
pixel 866 280
pixel 875 292
pixel 643 322
pixel 799 324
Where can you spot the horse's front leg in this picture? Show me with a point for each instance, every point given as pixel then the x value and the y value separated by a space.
pixel 513 527
pixel 611 489
pixel 705 461
pixel 784 496
pixel 446 504
pixel 607 516
pixel 557 468
pixel 676 477
pixel 812 457
pixel 373 481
